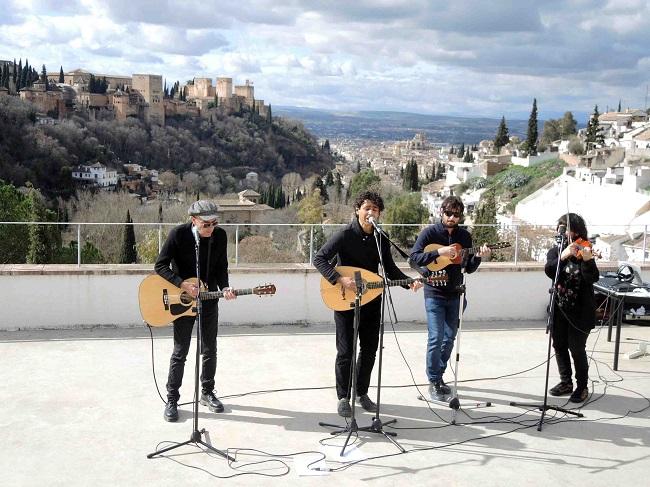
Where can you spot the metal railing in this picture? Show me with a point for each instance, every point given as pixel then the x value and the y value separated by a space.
pixel 527 241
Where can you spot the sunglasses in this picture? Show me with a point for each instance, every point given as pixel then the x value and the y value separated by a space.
pixel 209 224
pixel 457 214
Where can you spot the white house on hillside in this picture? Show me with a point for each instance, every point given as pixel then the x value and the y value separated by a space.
pixel 97 175
pixel 609 205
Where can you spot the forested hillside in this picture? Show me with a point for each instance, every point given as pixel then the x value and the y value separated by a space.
pixel 232 143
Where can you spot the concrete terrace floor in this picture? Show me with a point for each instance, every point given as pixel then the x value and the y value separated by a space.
pixel 80 407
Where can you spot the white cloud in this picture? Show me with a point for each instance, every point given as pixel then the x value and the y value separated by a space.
pixel 422 55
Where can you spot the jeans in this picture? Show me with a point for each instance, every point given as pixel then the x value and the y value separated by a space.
pixel 182 338
pixel 442 320
pixel 368 342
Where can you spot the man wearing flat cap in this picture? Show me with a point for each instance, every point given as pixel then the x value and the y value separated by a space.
pixel 177 263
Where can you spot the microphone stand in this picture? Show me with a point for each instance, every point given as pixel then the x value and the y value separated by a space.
pixel 377 424
pixel 549 330
pixel 352 427
pixel 196 433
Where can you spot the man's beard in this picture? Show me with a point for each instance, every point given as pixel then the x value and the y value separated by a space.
pixel 450 224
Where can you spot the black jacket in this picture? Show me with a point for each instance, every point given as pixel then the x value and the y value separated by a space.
pixel 354 247
pixel 438 234
pixel 575 295
pixel 177 259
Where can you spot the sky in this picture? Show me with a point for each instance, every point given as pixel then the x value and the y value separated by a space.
pixel 453 57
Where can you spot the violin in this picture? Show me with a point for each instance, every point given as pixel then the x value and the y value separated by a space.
pixel 583 243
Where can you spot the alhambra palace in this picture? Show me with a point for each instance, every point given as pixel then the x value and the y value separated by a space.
pixel 139 96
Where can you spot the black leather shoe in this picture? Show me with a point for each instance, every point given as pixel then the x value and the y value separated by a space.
pixel 210 400
pixel 366 403
pixel 444 387
pixel 561 389
pixel 436 392
pixel 171 411
pixel 579 395
pixel 343 408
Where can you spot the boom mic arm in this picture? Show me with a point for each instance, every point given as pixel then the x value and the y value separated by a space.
pixel 376 226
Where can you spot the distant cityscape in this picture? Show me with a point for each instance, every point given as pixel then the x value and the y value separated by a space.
pixel 452 154
pixel 396 126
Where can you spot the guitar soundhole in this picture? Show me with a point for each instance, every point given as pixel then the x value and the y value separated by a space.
pixel 186 299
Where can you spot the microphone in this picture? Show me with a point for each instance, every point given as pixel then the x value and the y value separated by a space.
pixel 559 236
pixel 195 232
pixel 373 222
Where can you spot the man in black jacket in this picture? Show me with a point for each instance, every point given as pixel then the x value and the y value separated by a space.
pixel 355 246
pixel 177 263
pixel 575 307
pixel 442 303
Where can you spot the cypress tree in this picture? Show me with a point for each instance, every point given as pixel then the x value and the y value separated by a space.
pixel 19 75
pixel 594 132
pixel 619 106
pixel 338 186
pixel 128 254
pixel 270 196
pixel 531 138
pixel 37 252
pixel 279 197
pixel 501 138
pixel 44 78
pixel 26 74
pixel 415 176
pixel 61 76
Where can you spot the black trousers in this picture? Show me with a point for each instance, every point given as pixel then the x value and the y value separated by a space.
pixel 568 338
pixel 182 339
pixel 368 342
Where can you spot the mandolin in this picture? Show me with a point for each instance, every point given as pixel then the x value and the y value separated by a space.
pixel 161 302
pixel 338 298
pixel 441 262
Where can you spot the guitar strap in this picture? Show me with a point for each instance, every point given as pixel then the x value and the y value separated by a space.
pixel 207 271
pixel 399 251
pixel 423 271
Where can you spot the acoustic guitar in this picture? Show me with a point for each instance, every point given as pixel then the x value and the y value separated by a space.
pixel 161 302
pixel 441 262
pixel 338 298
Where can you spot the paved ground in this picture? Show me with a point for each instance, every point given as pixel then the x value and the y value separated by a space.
pixel 81 408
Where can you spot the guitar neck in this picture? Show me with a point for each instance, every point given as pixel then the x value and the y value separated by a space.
pixel 208 295
pixel 473 250
pixel 398 282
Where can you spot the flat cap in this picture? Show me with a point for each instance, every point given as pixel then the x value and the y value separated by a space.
pixel 204 209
